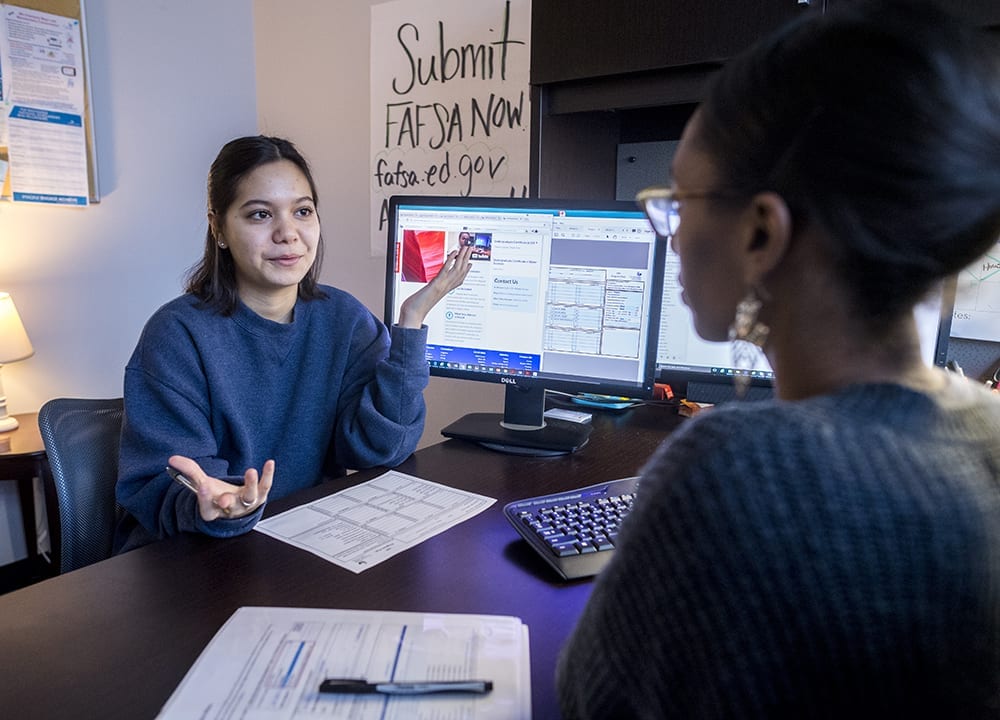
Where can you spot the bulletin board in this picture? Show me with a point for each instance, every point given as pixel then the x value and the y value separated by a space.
pixel 74 9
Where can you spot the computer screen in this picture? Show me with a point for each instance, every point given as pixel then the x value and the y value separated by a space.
pixel 562 295
pixel 703 371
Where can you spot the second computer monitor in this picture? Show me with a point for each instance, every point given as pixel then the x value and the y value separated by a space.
pixel 704 371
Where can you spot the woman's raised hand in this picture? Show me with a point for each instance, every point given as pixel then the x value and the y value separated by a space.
pixel 415 308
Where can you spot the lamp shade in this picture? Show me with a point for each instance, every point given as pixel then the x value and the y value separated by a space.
pixel 14 342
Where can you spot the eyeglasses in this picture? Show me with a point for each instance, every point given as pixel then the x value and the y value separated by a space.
pixel 662 206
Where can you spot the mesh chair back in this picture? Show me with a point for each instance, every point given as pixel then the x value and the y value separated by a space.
pixel 82 438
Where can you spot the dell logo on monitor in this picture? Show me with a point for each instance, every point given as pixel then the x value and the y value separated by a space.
pixel 509 380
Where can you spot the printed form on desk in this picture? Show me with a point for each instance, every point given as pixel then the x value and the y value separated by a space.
pixel 361 526
pixel 269 662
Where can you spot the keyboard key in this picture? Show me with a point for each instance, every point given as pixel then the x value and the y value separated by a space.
pixel 565 549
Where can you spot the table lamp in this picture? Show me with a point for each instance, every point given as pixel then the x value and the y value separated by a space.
pixel 14 346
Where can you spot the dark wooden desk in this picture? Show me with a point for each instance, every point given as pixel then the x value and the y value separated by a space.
pixel 114 639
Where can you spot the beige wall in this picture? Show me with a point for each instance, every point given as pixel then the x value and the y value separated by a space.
pixel 312 86
pixel 171 82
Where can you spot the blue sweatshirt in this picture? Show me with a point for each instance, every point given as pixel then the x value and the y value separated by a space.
pixel 325 392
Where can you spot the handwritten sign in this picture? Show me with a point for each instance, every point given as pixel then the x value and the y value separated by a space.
pixel 449 101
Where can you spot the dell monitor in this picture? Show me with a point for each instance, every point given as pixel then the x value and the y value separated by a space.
pixel 562 295
pixel 703 371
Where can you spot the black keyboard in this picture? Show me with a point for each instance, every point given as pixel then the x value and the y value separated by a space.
pixel 576 531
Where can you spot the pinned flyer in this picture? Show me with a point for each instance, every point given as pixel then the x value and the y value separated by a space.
pixel 43 96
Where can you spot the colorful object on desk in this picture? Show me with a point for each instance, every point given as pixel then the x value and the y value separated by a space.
pixel 662 391
pixel 690 409
pixel 14 346
pixel 605 402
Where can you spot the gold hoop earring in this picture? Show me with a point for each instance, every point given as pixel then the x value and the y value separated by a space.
pixel 747 336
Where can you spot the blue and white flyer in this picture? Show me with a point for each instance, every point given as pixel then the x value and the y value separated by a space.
pixel 44 102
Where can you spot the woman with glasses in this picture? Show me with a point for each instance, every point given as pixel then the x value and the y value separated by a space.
pixel 834 552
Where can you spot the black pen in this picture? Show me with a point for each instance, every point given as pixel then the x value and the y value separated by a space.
pixel 362 687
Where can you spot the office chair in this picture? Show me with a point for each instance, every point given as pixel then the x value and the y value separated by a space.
pixel 81 439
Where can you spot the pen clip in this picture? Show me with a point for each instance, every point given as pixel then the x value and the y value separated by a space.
pixel 346 685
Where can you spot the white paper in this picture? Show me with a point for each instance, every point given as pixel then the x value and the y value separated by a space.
pixel 361 526
pixel 44 106
pixel 269 662
pixel 977 301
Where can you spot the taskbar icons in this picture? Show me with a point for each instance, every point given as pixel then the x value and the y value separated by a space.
pixel 732 372
pixel 485 369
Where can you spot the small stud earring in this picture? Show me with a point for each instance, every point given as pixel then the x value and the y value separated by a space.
pixel 222 245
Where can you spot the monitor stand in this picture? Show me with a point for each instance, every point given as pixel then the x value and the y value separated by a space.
pixel 522 429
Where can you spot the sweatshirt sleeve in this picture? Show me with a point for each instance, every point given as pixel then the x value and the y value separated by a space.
pixel 166 413
pixel 381 410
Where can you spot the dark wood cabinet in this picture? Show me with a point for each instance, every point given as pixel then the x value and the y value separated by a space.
pixel 607 73
pixel 579 39
pixel 985 13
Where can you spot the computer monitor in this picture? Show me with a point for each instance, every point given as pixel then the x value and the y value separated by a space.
pixel 703 371
pixel 563 295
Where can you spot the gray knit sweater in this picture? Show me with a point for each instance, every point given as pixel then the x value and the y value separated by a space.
pixel 833 557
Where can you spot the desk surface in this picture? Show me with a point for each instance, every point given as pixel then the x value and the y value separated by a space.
pixel 23 441
pixel 114 639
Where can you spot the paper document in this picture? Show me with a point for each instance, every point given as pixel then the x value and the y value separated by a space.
pixel 43 101
pixel 269 663
pixel 363 525
pixel 976 315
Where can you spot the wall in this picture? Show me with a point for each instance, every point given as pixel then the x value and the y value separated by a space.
pixel 312 86
pixel 171 81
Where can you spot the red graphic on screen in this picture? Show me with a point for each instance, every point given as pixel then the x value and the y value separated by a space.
pixel 423 254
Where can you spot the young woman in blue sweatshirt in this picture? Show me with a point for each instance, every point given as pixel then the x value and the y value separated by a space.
pixel 259 381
